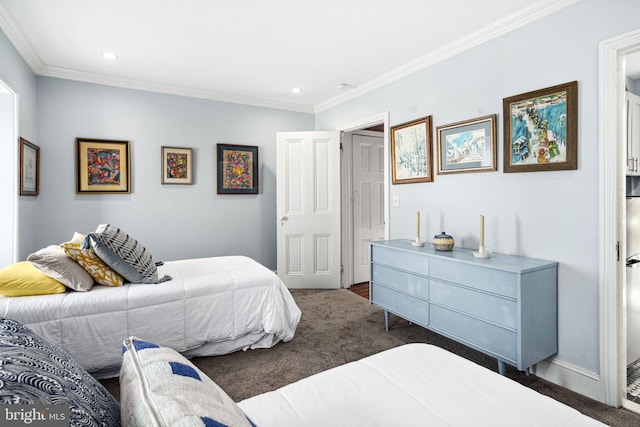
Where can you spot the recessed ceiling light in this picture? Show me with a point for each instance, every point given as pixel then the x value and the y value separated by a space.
pixel 344 86
pixel 296 90
pixel 110 55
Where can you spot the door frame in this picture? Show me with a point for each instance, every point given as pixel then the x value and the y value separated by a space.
pixel 15 165
pixel 347 129
pixel 612 217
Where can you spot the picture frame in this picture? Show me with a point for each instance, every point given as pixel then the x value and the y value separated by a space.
pixel 237 167
pixel 29 168
pixel 102 166
pixel 411 152
pixel 177 165
pixel 467 146
pixel 541 129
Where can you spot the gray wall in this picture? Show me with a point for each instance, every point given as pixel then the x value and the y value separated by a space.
pixel 172 221
pixel 548 215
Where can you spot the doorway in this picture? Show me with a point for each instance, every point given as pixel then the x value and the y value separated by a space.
pixel 613 219
pixel 8 174
pixel 353 237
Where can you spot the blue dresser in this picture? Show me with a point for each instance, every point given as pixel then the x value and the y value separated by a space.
pixel 504 306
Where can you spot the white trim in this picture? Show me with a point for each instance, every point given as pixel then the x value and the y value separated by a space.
pixel 18 40
pixel 611 212
pixel 500 27
pixel 570 377
pixel 16 165
pixel 65 73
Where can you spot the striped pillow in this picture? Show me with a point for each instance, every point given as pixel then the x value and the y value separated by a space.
pixel 123 254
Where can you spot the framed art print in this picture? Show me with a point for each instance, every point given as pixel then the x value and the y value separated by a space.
pixel 468 146
pixel 411 152
pixel 237 169
pixel 177 165
pixel 541 129
pixel 102 166
pixel 29 168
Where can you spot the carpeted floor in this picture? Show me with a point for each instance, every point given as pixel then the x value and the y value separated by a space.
pixel 339 326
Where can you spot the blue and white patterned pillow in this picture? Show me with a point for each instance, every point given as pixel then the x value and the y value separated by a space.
pixel 159 387
pixel 124 254
pixel 36 372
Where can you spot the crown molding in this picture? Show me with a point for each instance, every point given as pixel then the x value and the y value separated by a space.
pixel 18 40
pixel 102 79
pixel 471 40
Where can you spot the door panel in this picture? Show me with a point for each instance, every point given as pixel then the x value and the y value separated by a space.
pixel 368 200
pixel 308 209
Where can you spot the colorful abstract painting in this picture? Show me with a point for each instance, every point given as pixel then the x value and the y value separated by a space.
pixel 103 166
pixel 177 166
pixel 237 169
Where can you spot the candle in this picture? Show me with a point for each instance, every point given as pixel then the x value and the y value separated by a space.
pixel 481 230
pixel 418 224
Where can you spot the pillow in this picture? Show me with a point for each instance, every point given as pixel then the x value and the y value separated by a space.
pixel 53 262
pixel 124 254
pixel 87 258
pixel 159 387
pixel 22 278
pixel 36 372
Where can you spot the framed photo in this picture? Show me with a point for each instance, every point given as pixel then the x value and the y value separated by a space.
pixel 468 146
pixel 411 152
pixel 237 169
pixel 541 129
pixel 29 168
pixel 177 165
pixel 102 166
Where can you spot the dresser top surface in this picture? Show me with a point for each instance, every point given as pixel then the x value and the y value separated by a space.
pixel 513 263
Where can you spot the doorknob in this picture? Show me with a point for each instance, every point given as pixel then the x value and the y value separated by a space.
pixel 284 218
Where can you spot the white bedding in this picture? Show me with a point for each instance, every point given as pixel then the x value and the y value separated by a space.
pixel 211 306
pixel 411 385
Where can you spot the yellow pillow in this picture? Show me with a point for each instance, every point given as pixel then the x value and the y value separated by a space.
pixel 88 259
pixel 22 279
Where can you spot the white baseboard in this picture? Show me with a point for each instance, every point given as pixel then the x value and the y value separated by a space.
pixel 570 377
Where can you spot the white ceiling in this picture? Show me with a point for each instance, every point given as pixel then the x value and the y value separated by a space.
pixel 255 51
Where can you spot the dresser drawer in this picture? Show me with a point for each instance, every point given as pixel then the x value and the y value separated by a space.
pixel 404 305
pixel 397 279
pixel 404 260
pixel 486 279
pixel 490 307
pixel 485 336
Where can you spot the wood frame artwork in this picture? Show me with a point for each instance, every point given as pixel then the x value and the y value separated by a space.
pixel 411 152
pixel 102 166
pixel 541 129
pixel 467 146
pixel 29 168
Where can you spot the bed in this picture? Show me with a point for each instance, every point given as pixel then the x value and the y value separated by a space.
pixel 211 306
pixel 411 385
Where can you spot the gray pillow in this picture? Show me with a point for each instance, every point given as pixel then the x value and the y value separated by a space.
pixel 53 262
pixel 123 254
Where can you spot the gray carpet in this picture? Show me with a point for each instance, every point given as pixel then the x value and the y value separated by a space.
pixel 338 327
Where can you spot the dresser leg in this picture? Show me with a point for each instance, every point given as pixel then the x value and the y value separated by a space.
pixel 386 321
pixel 501 367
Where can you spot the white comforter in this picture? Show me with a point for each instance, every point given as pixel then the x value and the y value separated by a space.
pixel 412 385
pixel 211 306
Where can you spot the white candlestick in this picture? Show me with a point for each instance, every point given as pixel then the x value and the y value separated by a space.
pixel 481 230
pixel 418 225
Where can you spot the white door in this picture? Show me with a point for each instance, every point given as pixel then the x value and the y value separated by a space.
pixel 368 206
pixel 308 209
